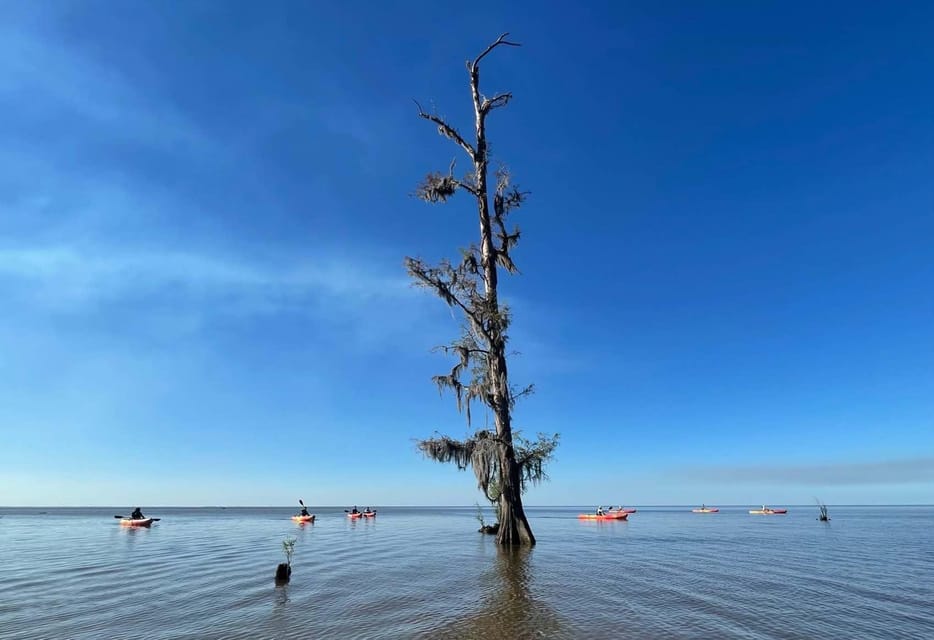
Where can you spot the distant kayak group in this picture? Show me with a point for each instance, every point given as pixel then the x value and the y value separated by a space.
pixel 308 518
pixel 764 511
pixel 619 513
pixel 137 519
pixel 355 513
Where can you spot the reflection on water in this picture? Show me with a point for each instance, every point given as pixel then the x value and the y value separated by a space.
pixel 282 595
pixel 508 607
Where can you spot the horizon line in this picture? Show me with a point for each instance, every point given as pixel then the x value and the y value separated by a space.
pixel 455 506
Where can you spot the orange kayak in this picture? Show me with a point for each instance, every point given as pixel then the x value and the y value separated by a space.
pixel 616 515
pixel 128 522
pixel 371 514
pixel 304 519
pixel 354 516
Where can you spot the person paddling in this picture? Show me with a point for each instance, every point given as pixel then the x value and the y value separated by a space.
pixel 355 509
pixel 304 511
pixel 600 511
pixel 137 514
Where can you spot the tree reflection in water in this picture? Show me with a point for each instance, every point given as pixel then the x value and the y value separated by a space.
pixel 507 607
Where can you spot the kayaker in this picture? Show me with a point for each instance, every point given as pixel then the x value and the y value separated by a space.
pixel 137 514
pixel 304 511
pixel 367 510
pixel 600 510
pixel 355 509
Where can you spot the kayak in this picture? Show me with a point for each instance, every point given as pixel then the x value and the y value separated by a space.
pixel 706 510
pixel 129 522
pixel 371 514
pixel 768 512
pixel 304 519
pixel 621 511
pixel 354 516
pixel 616 515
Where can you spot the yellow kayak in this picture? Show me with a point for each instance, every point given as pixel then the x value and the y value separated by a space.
pixel 304 519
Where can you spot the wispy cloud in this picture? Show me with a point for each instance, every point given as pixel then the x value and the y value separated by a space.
pixel 895 471
pixel 43 76
pixel 67 279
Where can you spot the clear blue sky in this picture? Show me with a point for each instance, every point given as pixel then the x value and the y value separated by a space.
pixel 728 255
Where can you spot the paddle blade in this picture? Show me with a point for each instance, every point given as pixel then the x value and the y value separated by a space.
pixel 300 502
pixel 119 517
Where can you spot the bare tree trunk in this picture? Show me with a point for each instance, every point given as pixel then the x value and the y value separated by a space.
pixel 488 324
pixel 513 527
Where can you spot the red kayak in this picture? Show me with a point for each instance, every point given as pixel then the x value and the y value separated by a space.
pixel 354 516
pixel 371 514
pixel 616 515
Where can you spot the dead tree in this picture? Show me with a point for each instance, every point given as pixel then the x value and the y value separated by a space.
pixel 502 466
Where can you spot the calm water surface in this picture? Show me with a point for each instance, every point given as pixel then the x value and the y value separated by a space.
pixel 426 573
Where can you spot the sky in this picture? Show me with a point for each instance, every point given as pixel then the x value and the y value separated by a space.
pixel 727 287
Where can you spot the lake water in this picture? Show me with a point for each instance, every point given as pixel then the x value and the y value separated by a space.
pixel 425 573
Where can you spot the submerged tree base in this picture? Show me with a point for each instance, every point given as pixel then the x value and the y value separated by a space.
pixel 491 529
pixel 283 573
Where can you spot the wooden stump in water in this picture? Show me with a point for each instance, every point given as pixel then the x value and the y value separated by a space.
pixel 283 572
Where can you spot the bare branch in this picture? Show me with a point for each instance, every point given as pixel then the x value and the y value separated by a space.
pixel 499 100
pixel 529 390
pixel 448 349
pixel 447 130
pixel 467 187
pixel 500 40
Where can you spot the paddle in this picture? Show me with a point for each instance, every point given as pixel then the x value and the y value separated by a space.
pixel 125 518
pixel 303 504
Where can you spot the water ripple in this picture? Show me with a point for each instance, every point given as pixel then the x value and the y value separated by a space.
pixel 425 573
